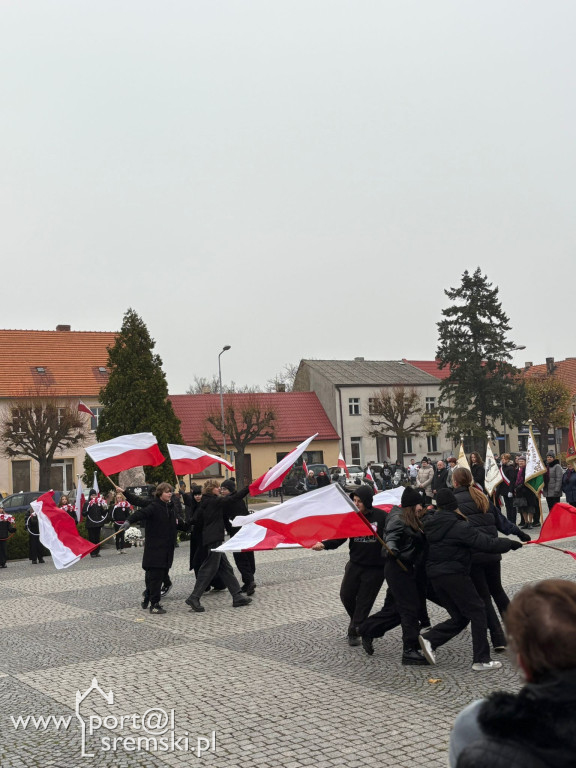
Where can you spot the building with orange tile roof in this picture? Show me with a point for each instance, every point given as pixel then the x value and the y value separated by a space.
pixel 63 364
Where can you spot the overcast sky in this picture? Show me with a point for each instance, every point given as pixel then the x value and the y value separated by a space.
pixel 295 178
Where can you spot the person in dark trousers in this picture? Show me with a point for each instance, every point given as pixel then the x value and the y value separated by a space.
pixel 245 561
pixel 7 528
pixel 440 478
pixel 569 484
pixel 95 512
pixel 211 520
pixel 364 572
pixel 35 548
pixel 451 540
pixel 120 512
pixel 533 728
pixel 485 569
pixel 505 489
pixel 553 480
pixel 404 536
pixel 160 525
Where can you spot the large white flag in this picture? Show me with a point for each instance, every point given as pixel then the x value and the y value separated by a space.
pixel 276 474
pixel 462 460
pixel 253 537
pixel 492 476
pixel 58 532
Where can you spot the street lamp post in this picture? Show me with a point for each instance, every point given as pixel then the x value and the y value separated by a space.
pixel 224 349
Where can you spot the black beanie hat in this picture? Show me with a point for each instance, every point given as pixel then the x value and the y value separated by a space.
pixel 92 492
pixel 410 497
pixel 365 494
pixel 230 485
pixel 445 499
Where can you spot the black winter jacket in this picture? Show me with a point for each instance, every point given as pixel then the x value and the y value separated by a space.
pixel 365 550
pixel 451 540
pixel 440 479
pixel 6 529
pixel 213 516
pixel 95 515
pixel 533 729
pixel 484 522
pixel 160 525
pixel 405 543
pixel 478 474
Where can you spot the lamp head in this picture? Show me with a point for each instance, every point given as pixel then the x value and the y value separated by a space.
pixel 226 348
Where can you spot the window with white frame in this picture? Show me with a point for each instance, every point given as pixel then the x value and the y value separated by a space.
pixel 95 420
pixel 430 404
pixel 356 450
pixel 354 406
pixel 432 443
pixel 408 445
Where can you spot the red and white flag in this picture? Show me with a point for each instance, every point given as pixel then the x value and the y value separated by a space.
pixel 327 513
pixel 84 408
pixel 80 500
pixel 342 464
pixel 126 452
pixel 58 533
pixel 187 460
pixel 385 500
pixel 368 475
pixel 253 537
pixel 304 467
pixel 276 474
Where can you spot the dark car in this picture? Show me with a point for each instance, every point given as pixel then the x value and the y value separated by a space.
pixel 317 468
pixel 293 484
pixel 19 502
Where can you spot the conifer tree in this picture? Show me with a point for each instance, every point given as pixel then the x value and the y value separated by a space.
pixel 483 387
pixel 135 399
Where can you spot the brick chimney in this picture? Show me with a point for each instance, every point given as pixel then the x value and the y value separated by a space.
pixel 550 367
pixel 528 365
pixel 63 327
pixel 280 386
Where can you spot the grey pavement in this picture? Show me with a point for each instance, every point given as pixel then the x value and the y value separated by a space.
pixel 275 681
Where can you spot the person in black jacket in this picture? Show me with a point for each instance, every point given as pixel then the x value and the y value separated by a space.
pixel 96 512
pixel 160 525
pixel 35 548
pixel 245 561
pixel 505 489
pixel 440 479
pixel 451 540
pixel 485 569
pixel 404 536
pixel 7 528
pixel 477 469
pixel 534 728
pixel 364 573
pixel 211 520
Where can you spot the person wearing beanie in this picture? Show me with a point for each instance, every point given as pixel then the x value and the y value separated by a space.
pixel 553 480
pixel 405 539
pixel 451 540
pixel 95 511
pixel 364 572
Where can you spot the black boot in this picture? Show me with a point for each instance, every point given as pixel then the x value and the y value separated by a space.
pixel 146 600
pixel 240 600
pixel 413 657
pixel 368 645
pixel 157 608
pixel 194 603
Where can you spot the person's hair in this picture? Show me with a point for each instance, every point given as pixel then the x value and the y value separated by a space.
pixel 64 496
pixel 478 458
pixel 505 457
pixel 162 488
pixel 462 477
pixel 410 517
pixel 119 493
pixel 541 626
pixel 208 487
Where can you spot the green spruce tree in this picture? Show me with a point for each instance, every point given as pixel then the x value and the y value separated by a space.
pixel 483 389
pixel 135 399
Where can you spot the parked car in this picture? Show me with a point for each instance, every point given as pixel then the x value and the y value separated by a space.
pixel 293 484
pixel 355 473
pixel 317 468
pixel 19 502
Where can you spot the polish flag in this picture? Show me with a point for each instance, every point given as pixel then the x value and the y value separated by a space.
pixel 187 460
pixel 342 464
pixel 327 513
pixel 560 524
pixel 253 537
pixel 126 452
pixel 80 500
pixel 84 408
pixel 58 533
pixel 368 475
pixel 385 500
pixel 276 474
pixel 304 467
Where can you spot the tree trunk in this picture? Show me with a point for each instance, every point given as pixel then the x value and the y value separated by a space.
pixel 400 442
pixel 239 466
pixel 543 443
pixel 44 467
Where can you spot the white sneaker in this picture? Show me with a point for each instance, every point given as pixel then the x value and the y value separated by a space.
pixel 482 665
pixel 427 649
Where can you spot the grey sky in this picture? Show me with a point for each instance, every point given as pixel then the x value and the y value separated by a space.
pixel 295 178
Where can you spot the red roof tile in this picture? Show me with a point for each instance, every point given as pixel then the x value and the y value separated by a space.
pixel 70 360
pixel 431 367
pixel 564 370
pixel 298 415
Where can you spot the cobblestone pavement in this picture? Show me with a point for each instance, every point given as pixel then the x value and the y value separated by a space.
pixel 276 681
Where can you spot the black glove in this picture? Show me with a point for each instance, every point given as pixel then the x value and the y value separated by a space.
pixel 125 526
pixel 524 536
pixel 515 545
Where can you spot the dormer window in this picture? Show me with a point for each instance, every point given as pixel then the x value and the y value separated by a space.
pixel 101 369
pixel 40 369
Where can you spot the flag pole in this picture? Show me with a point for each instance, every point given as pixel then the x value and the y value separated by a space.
pixel 110 537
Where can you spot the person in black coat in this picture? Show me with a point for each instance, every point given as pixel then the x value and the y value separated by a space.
pixel 451 540
pixel 120 511
pixel 245 561
pixel 7 528
pixel 440 479
pixel 477 469
pixel 322 480
pixel 533 728
pixel 404 536
pixel 485 569
pixel 36 551
pixel 96 513
pixel 160 526
pixel 505 489
pixel 364 572
pixel 211 521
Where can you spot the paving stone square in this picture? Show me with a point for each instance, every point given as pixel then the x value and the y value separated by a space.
pixel 274 684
